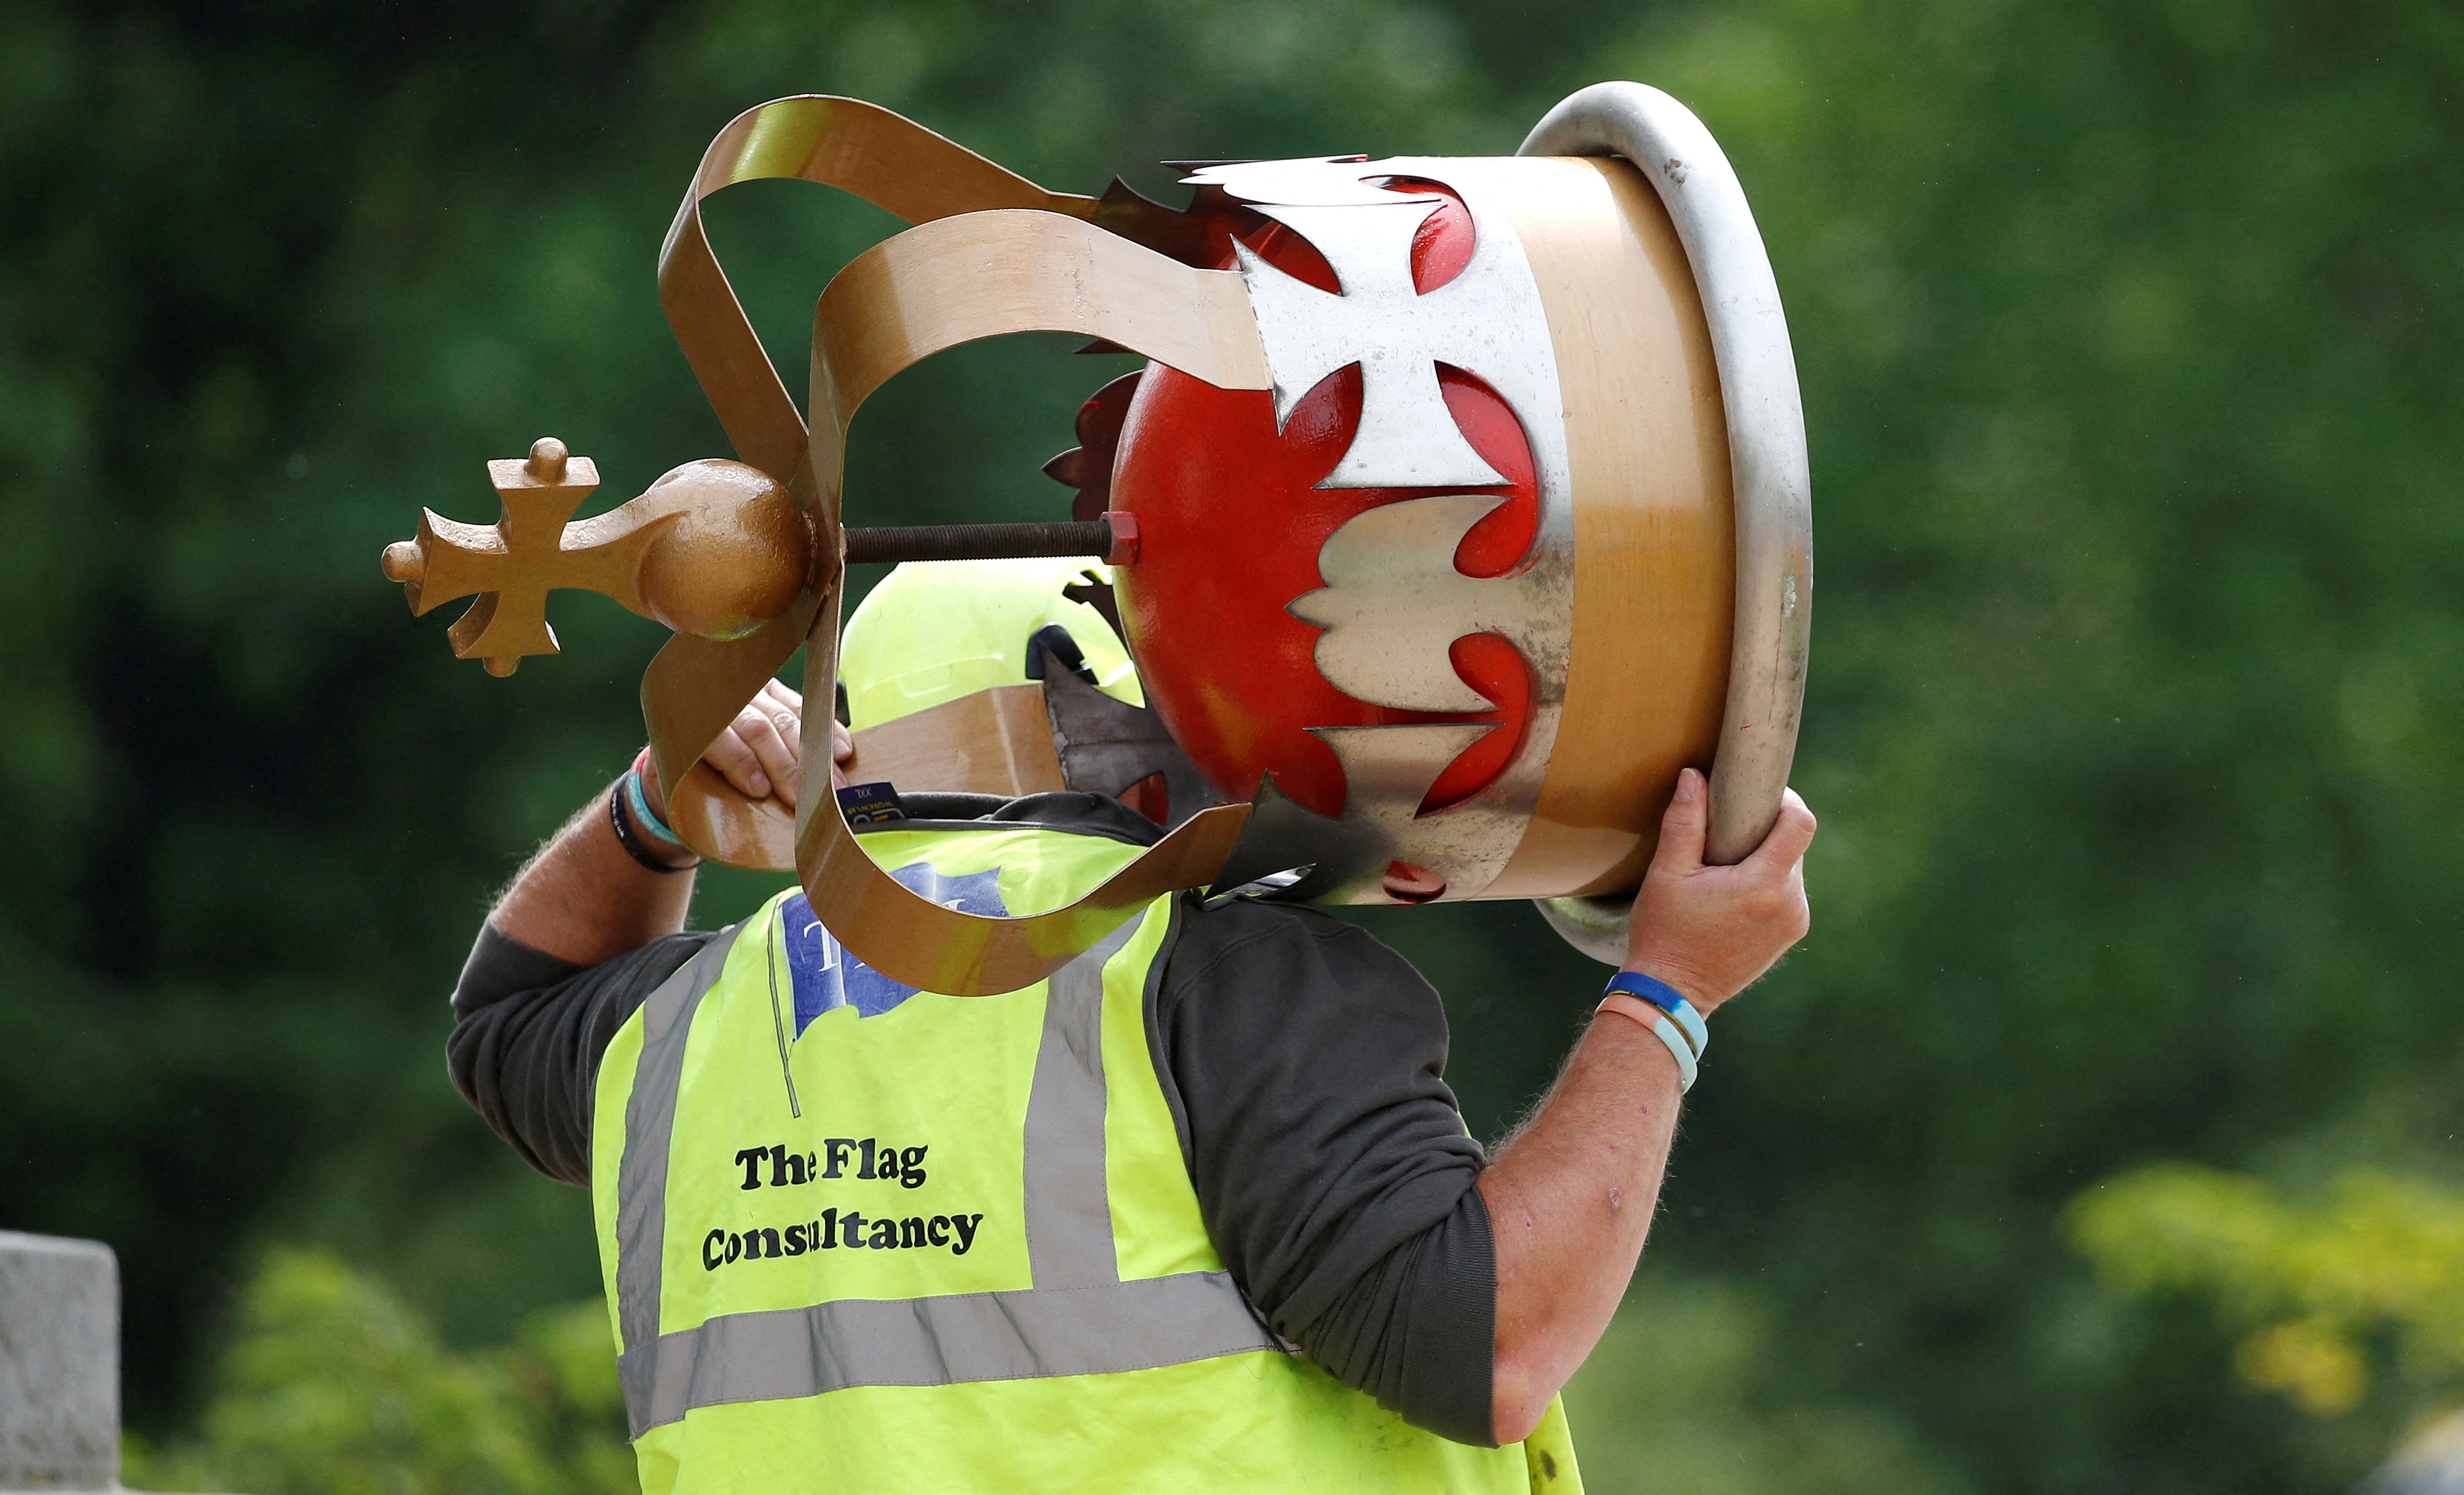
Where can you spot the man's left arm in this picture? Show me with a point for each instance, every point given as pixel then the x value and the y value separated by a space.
pixel 1335 1179
pixel 1574 1194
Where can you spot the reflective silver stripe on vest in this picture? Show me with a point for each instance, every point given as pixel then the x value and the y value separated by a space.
pixel 1078 1319
pixel 1069 1216
pixel 651 1113
pixel 985 1336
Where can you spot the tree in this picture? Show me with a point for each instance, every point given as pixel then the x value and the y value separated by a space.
pixel 2127 333
pixel 2317 1290
pixel 335 1387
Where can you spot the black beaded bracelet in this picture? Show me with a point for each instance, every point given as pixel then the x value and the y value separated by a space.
pixel 631 839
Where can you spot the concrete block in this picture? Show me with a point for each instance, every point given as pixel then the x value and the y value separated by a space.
pixel 60 1364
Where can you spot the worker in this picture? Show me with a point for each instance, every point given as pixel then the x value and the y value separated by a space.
pixel 1197 1211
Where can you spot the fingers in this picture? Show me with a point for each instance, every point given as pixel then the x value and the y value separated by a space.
pixel 842 742
pixel 770 731
pixel 1710 932
pixel 1683 825
pixel 784 709
pixel 792 700
pixel 759 753
pixel 770 728
pixel 736 763
pixel 787 712
pixel 1800 913
pixel 1789 835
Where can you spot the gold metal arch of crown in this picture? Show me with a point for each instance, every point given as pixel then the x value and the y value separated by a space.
pixel 990 254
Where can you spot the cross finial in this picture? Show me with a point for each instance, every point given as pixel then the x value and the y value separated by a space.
pixel 714 548
pixel 510 565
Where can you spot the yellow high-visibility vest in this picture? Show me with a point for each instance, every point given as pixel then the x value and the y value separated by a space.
pixel 863 1239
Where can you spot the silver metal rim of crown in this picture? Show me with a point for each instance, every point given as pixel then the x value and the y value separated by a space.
pixel 1766 417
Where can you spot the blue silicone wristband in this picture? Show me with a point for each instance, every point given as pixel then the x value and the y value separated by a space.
pixel 640 805
pixel 1668 999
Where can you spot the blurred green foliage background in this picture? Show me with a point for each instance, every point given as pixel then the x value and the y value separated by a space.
pixel 2128 333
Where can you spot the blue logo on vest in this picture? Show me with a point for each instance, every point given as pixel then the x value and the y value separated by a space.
pixel 826 976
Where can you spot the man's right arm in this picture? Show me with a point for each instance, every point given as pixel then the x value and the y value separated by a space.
pixel 585 899
pixel 529 1030
pixel 583 934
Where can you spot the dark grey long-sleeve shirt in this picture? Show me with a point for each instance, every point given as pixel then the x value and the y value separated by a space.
pixel 1303 1061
